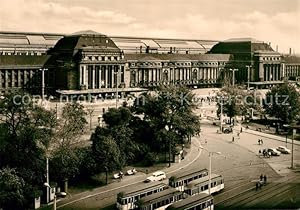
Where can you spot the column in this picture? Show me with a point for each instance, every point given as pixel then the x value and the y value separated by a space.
pixel 100 76
pixel 19 78
pixel 106 77
pixel 113 76
pixel 93 76
pixel 6 78
pixel 261 71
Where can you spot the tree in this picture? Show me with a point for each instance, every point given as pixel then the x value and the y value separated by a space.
pixel 283 102
pixel 168 107
pixel 11 190
pixel 106 151
pixel 22 139
pixel 64 161
pixel 237 101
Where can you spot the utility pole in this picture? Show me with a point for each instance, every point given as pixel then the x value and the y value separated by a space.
pixel 221 116
pixel 43 82
pixel 233 75
pixel 248 77
pixel 292 155
pixel 117 83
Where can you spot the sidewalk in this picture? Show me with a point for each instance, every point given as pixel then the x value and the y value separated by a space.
pixel 191 156
pixel 266 135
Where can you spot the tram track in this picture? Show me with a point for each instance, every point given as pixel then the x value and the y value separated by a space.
pixel 250 195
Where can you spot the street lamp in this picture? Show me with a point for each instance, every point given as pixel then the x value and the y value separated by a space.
pixel 43 82
pixel 49 187
pixel 167 129
pixel 117 79
pixel 210 154
pixel 248 76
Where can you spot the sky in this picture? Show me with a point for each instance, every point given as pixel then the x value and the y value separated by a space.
pixel 275 21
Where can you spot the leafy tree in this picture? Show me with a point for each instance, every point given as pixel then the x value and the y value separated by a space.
pixel 22 139
pixel 283 102
pixel 170 107
pixel 64 161
pixel 11 189
pixel 106 151
pixel 237 101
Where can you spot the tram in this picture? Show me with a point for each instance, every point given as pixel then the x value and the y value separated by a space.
pixel 201 185
pixel 201 201
pixel 161 200
pixel 181 179
pixel 128 200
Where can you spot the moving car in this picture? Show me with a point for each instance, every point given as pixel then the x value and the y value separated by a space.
pixel 273 152
pixel 156 176
pixel 283 150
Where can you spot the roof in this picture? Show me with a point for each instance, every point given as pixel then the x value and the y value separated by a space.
pixel 176 57
pixel 240 46
pixel 184 173
pixel 292 59
pixel 17 61
pixel 203 179
pixel 191 200
pixel 93 91
pixel 160 195
pixel 248 39
pixel 28 39
pixel 81 40
pixel 147 187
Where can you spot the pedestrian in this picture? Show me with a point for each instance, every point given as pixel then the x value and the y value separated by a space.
pixel 261 177
pixel 241 129
pixel 257 185
pixel 265 179
pixel 258 141
pixel 233 139
pixel 261 141
pixel 259 152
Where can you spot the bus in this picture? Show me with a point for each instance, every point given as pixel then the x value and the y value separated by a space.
pixel 201 185
pixel 128 200
pixel 161 200
pixel 181 179
pixel 202 201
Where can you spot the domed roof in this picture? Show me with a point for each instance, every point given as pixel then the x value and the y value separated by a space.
pixel 86 32
pixel 84 40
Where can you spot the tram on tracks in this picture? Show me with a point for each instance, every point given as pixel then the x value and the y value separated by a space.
pixel 128 200
pixel 201 201
pixel 201 185
pixel 161 200
pixel 181 179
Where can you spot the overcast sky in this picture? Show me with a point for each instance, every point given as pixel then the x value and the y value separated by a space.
pixel 275 21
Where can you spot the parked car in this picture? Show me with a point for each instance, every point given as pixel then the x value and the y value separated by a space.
pixel 118 175
pixel 156 176
pixel 273 152
pixel 131 171
pixel 283 150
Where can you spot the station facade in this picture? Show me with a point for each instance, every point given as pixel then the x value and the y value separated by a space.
pixel 92 63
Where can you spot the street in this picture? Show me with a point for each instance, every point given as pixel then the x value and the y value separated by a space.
pixel 239 163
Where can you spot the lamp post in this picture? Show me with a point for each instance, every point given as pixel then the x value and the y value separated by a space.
pixel 54 201
pixel 248 76
pixel 43 82
pixel 210 154
pixel 117 73
pixel 292 155
pixel 167 129
pixel 233 75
